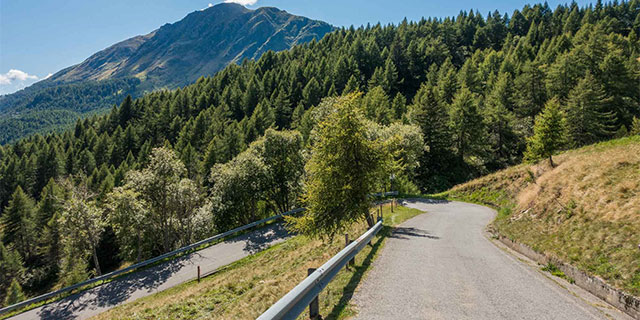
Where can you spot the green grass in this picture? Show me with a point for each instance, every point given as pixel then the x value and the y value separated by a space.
pixel 585 212
pixel 246 288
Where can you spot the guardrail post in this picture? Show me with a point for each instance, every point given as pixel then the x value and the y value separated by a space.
pixel 314 306
pixel 198 273
pixel 392 202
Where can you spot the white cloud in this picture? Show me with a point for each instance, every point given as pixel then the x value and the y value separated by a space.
pixel 208 6
pixel 242 2
pixel 16 75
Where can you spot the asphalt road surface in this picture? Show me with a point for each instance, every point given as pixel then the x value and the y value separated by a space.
pixel 441 265
pixel 161 277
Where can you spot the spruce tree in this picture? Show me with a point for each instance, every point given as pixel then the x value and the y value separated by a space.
pixel 14 293
pixel 466 124
pixel 18 223
pixel 549 133
pixel 587 122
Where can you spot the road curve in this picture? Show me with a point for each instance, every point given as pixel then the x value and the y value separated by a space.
pixel 158 278
pixel 441 265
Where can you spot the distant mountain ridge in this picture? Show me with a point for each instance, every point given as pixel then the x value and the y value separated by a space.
pixel 172 56
pixel 200 44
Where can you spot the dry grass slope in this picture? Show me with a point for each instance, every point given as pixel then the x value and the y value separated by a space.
pixel 585 211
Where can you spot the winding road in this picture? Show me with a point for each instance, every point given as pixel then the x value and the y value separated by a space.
pixel 442 265
pixel 158 278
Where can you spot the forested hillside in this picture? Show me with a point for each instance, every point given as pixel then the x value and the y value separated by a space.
pixel 202 159
pixel 174 55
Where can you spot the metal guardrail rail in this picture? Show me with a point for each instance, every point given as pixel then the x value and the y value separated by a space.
pixel 296 301
pixel 145 263
pixel 142 264
pixel 385 194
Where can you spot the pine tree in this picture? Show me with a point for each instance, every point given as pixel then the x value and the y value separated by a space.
pixel 11 267
pixel 14 293
pixel 126 112
pixel 635 127
pixel 549 133
pixel 587 122
pixel 311 93
pixel 18 223
pixel 399 106
pixel 466 124
pixel 377 107
pixel 500 121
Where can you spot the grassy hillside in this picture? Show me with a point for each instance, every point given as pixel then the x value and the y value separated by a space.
pixel 250 286
pixel 585 211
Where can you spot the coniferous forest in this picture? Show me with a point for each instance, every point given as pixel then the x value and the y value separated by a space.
pixel 455 98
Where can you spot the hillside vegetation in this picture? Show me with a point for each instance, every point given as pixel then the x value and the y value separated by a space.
pixel 440 101
pixel 175 55
pixel 585 211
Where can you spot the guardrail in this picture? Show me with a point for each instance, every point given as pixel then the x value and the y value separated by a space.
pixel 145 263
pixel 306 293
pixel 385 194
pixel 142 264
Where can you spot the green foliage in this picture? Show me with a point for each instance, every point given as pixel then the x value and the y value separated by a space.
pixel 82 225
pixel 14 293
pixel 467 126
pixel 156 210
pixel 635 127
pixel 549 133
pixel 587 121
pixel 344 168
pixel 18 225
pixel 475 85
pixel 269 172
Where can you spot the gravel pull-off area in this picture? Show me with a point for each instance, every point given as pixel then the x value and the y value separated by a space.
pixel 442 265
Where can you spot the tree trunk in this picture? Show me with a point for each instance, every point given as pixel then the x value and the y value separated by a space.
pixel 95 261
pixel 551 162
pixel 138 255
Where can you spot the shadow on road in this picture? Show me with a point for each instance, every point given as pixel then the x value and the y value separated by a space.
pixel 260 239
pixel 421 200
pixel 112 293
pixel 406 233
pixel 358 272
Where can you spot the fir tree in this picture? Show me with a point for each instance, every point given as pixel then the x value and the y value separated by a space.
pixel 549 133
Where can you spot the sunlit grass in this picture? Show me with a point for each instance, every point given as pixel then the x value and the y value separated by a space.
pixel 250 286
pixel 585 211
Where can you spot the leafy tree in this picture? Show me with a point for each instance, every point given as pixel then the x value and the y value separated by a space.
pixel 344 168
pixel 170 199
pixel 82 225
pixel 236 190
pixel 549 133
pixel 281 153
pixel 128 216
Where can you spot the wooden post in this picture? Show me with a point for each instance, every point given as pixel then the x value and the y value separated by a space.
pixel 392 200
pixel 381 210
pixel 314 306
pixel 352 262
pixel 198 273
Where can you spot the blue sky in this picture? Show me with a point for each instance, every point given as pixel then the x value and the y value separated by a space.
pixel 40 37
